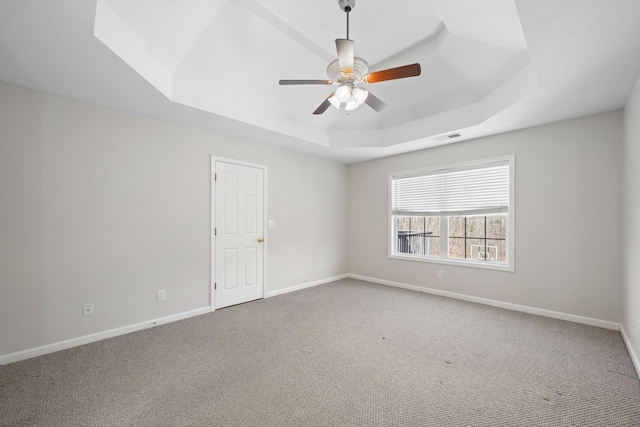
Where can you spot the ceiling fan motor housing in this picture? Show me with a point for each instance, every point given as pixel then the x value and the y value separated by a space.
pixel 360 69
pixel 347 5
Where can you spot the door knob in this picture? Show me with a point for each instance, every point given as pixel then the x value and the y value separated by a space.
pixel 260 240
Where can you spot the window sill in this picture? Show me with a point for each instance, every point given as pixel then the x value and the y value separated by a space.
pixel 460 263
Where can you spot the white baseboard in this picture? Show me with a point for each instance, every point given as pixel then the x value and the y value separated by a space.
pixel 63 345
pixel 509 306
pixel 87 339
pixel 74 342
pixel 305 285
pixel 634 356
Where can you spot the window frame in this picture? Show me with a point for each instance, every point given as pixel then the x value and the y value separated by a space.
pixel 508 266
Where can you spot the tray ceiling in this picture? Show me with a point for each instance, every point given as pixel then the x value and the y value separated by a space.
pixel 487 67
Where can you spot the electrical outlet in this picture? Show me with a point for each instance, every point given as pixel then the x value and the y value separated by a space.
pixel 87 310
pixel 320 266
pixel 440 274
pixel 162 295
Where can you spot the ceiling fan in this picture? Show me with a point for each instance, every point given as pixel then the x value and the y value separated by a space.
pixel 349 71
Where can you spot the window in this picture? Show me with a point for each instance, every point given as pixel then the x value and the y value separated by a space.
pixel 457 214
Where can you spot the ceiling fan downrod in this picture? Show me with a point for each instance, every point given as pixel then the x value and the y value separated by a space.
pixel 347 6
pixel 348 9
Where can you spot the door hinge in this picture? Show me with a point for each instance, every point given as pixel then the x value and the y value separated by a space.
pixel 215 231
pixel 215 286
pixel 215 176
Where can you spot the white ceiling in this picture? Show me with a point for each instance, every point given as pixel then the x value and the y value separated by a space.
pixel 487 66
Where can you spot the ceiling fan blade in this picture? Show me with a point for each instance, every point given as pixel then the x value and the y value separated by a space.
pixel 346 55
pixel 374 102
pixel 393 74
pixel 305 82
pixel 323 107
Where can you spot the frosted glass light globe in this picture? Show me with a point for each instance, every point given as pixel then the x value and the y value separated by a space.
pixel 360 95
pixel 334 101
pixel 343 93
pixel 351 104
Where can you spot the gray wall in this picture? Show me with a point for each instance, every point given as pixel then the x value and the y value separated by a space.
pixel 104 206
pixel 568 219
pixel 631 292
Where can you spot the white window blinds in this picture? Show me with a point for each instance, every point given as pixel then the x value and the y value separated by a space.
pixel 478 191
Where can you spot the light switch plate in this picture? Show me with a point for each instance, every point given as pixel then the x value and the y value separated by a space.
pixel 272 223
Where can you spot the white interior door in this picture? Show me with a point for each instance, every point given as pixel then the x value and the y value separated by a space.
pixel 238 233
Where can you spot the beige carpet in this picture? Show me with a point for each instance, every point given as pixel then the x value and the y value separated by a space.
pixel 348 353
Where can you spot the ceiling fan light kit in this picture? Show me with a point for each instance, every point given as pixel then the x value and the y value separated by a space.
pixel 348 71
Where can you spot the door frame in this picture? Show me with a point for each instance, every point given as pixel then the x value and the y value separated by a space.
pixel 212 224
